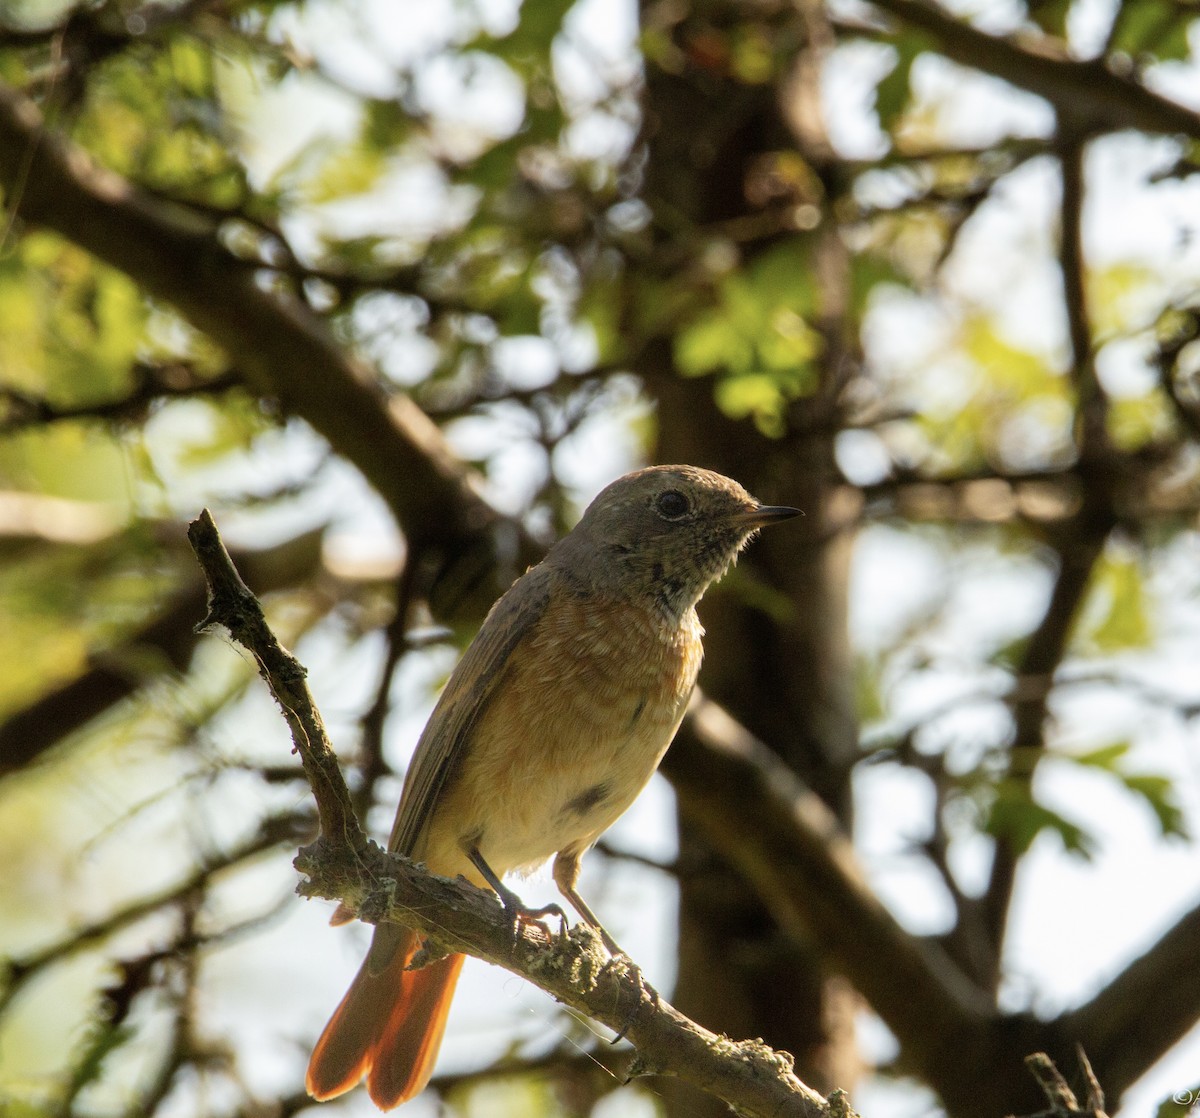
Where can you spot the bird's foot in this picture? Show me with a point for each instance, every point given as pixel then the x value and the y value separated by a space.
pixel 537 915
pixel 520 915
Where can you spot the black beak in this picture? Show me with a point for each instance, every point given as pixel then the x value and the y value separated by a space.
pixel 768 514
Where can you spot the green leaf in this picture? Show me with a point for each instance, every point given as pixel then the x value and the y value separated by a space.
pixel 783 277
pixel 1134 423
pixel 712 343
pixel 1051 16
pixel 351 170
pixel 790 343
pixel 600 308
pixel 869 271
pixel 757 338
pixel 1159 794
pixel 191 65
pixel 1158 791
pixel 1009 654
pixel 1014 375
pixel 868 693
pixel 386 126
pixel 1016 817
pixel 1116 617
pixel 1116 296
pixel 519 313
pixel 1105 757
pixel 1180 1104
pixel 749 394
pixel 103 1042
pixel 751 58
pixel 527 47
pixel 893 92
pixel 357 252
pixel 1158 28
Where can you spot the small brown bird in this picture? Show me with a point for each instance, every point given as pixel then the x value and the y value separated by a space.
pixel 552 723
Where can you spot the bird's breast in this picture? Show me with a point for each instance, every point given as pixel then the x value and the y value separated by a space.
pixel 589 702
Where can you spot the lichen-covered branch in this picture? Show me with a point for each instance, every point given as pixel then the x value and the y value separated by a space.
pixel 574 968
pixel 232 605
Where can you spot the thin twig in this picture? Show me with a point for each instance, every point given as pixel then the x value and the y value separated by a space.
pixel 380 887
pixel 233 606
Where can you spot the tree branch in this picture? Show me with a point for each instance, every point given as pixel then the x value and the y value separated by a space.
pixel 231 604
pixel 573 968
pixel 786 841
pixel 1079 547
pixel 1092 95
pixel 19 410
pixel 1063 1101
pixel 273 833
pixel 176 254
pixel 788 844
pixel 28 733
pixel 1147 1008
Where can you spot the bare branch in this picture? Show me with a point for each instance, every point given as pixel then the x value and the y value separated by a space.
pixel 1092 95
pixel 152 383
pixel 342 864
pixel 232 605
pixel 1079 546
pixel 791 846
pixel 273 833
pixel 1145 1009
pixel 1063 1102
pixel 28 733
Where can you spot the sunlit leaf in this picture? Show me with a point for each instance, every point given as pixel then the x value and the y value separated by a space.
pixel 1017 373
pixel 751 58
pixel 756 338
pixel 1104 757
pixel 1051 16
pixel 1181 1104
pixel 351 170
pixel 713 343
pixel 1160 795
pixel 1116 296
pixel 1153 27
pixel 1116 615
pixel 1016 817
pixel 868 694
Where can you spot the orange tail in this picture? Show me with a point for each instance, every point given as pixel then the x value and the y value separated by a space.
pixel 389 1025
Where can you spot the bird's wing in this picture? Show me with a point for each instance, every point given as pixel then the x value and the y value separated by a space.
pixel 446 738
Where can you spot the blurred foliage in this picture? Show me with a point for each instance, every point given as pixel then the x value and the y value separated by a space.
pixel 1180 1104
pixel 437 193
pixel 757 338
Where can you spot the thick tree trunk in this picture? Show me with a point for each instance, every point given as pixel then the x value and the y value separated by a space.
pixel 790 684
pixel 787 674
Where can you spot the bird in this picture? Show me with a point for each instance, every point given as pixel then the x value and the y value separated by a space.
pixel 548 728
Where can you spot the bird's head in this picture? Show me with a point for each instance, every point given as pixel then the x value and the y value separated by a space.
pixel 664 534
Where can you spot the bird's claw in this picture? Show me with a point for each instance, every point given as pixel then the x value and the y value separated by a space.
pixel 536 915
pixel 521 915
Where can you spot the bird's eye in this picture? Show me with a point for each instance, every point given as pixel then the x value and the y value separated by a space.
pixel 672 504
